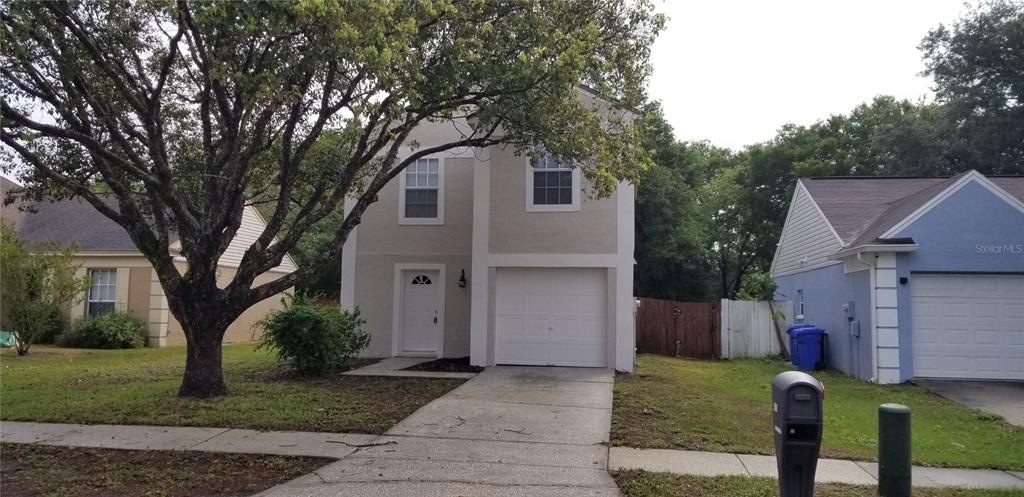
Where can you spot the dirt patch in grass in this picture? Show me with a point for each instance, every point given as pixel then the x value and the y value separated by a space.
pixel 446 365
pixel 635 483
pixel 36 470
pixel 283 372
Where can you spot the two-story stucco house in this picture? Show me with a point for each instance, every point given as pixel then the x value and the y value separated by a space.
pixel 910 277
pixel 478 252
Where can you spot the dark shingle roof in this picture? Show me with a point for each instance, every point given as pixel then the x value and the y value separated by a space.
pixel 861 209
pixel 64 221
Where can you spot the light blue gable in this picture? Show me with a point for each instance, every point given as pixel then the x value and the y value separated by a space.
pixel 971 231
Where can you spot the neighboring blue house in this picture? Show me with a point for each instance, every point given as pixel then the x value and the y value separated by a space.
pixel 910 277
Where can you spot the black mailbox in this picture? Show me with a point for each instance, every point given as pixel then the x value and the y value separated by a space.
pixel 797 420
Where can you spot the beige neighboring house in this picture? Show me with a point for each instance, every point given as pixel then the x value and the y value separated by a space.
pixel 122 278
pixel 477 252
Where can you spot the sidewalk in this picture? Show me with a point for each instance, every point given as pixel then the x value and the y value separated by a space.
pixel 283 443
pixel 829 470
pixel 341 445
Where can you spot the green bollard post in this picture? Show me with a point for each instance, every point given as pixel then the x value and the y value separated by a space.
pixel 893 450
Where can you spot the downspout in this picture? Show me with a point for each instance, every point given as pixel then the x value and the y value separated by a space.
pixel 874 317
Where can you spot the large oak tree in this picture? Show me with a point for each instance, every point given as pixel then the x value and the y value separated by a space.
pixel 187 111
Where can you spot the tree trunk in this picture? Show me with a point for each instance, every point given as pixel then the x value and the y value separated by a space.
pixel 204 376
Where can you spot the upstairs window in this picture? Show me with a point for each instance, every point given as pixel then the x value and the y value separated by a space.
pixel 552 185
pixel 102 292
pixel 422 193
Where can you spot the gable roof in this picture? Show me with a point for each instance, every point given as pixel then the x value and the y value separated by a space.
pixel 75 220
pixel 65 221
pixel 863 209
pixel 851 204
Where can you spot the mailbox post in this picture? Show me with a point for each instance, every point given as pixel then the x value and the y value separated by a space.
pixel 797 420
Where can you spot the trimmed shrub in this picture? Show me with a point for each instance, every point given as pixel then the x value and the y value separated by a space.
pixel 314 338
pixel 51 327
pixel 115 330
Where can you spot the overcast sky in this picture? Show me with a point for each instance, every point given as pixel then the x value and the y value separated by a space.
pixel 734 71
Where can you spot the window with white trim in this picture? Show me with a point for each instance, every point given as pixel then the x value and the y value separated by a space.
pixel 102 292
pixel 422 193
pixel 552 185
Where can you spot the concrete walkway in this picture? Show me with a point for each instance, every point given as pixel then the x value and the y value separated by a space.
pixel 507 432
pixel 394 366
pixel 285 443
pixel 829 470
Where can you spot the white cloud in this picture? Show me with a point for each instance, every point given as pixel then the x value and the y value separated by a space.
pixel 734 71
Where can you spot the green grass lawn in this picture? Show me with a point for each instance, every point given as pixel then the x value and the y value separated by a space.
pixel 139 386
pixel 724 406
pixel 645 484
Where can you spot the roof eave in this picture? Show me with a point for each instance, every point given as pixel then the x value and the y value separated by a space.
pixel 873 247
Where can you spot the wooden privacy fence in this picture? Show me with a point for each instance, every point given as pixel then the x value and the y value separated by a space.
pixel 688 329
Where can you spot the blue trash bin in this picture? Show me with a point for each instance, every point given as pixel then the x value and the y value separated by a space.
pixel 793 350
pixel 809 348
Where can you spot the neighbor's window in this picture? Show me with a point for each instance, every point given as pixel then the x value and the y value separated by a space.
pixel 422 190
pixel 102 291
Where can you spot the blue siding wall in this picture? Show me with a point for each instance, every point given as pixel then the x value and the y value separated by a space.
pixel 825 291
pixel 955 236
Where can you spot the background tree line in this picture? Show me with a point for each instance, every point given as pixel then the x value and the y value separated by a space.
pixel 708 218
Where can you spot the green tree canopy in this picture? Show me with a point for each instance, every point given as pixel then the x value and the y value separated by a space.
pixel 36 285
pixel 189 111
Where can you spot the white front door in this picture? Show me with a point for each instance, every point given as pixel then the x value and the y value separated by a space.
pixel 551 316
pixel 421 301
pixel 968 325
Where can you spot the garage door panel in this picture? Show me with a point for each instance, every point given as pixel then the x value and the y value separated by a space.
pixel 535 327
pixel 988 337
pixel 968 325
pixel 563 321
pixel 954 310
pixel 1014 311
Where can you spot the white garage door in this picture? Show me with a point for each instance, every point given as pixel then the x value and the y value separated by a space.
pixel 551 317
pixel 968 325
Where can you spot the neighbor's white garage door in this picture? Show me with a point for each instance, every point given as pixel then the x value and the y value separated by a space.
pixel 551 316
pixel 968 325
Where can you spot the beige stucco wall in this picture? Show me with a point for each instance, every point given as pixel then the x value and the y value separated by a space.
pixel 380 232
pixel 138 267
pixel 513 230
pixel 145 299
pixel 241 330
pixel 139 292
pixel 375 281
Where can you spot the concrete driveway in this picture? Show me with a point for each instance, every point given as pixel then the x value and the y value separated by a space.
pixel 1002 398
pixel 509 431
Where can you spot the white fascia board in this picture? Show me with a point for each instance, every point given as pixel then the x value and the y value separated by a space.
pixel 974 176
pixel 805 269
pixel 878 247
